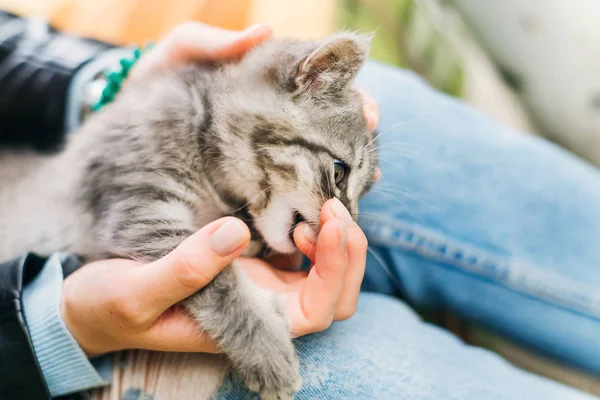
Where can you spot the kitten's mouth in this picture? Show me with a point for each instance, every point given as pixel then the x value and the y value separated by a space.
pixel 297 218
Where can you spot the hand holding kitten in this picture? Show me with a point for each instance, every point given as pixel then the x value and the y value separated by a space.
pixel 194 41
pixel 119 304
pixel 329 291
pixel 187 266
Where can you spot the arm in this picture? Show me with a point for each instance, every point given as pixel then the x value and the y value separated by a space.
pixel 20 286
pixel 24 380
pixel 64 365
pixel 42 76
pixel 37 67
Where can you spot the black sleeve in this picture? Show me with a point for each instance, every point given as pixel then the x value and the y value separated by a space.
pixel 37 64
pixel 20 375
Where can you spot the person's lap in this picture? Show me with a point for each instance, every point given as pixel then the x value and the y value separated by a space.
pixel 496 225
pixel 385 352
pixel 470 216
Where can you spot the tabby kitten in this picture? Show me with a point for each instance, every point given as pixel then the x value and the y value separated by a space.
pixel 269 139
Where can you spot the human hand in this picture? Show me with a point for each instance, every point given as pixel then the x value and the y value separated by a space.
pixel 329 291
pixel 195 41
pixel 120 304
pixel 370 109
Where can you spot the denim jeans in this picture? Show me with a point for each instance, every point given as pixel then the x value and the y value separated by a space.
pixel 498 226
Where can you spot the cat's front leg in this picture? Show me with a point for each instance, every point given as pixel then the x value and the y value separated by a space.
pixel 250 326
pixel 247 322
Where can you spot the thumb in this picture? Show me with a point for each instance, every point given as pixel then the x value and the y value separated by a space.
pixel 192 265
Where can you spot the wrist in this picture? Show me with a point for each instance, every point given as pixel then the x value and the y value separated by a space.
pixel 94 343
pixel 64 365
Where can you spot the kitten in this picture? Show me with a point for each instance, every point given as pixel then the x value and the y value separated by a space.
pixel 269 139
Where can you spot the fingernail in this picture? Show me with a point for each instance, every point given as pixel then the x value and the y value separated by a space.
pixel 340 211
pixel 343 231
pixel 229 237
pixel 373 119
pixel 309 233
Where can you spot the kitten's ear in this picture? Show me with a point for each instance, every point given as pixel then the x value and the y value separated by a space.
pixel 331 68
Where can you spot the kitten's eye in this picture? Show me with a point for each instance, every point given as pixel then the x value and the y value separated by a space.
pixel 339 171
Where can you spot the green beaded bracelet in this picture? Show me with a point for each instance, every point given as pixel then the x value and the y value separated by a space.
pixel 115 79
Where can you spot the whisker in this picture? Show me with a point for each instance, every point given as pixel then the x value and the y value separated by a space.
pixel 395 281
pixel 387 161
pixel 407 194
pixel 253 199
pixel 373 216
pixel 404 144
pixel 402 123
pixel 391 146
pixel 387 195
pixel 329 185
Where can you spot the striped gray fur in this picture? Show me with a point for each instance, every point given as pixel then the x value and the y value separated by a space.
pixel 256 139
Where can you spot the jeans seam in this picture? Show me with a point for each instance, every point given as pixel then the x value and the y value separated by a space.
pixel 513 274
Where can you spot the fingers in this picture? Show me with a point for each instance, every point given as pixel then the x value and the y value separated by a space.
pixel 196 42
pixel 305 238
pixel 116 304
pixel 370 109
pixel 356 251
pixel 190 267
pixel 357 259
pixel 313 308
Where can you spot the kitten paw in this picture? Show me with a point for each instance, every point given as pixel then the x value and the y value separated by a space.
pixel 277 378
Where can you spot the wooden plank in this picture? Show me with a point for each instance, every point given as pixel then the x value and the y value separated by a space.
pixel 164 375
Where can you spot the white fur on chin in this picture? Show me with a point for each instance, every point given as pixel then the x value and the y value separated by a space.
pixel 274 225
